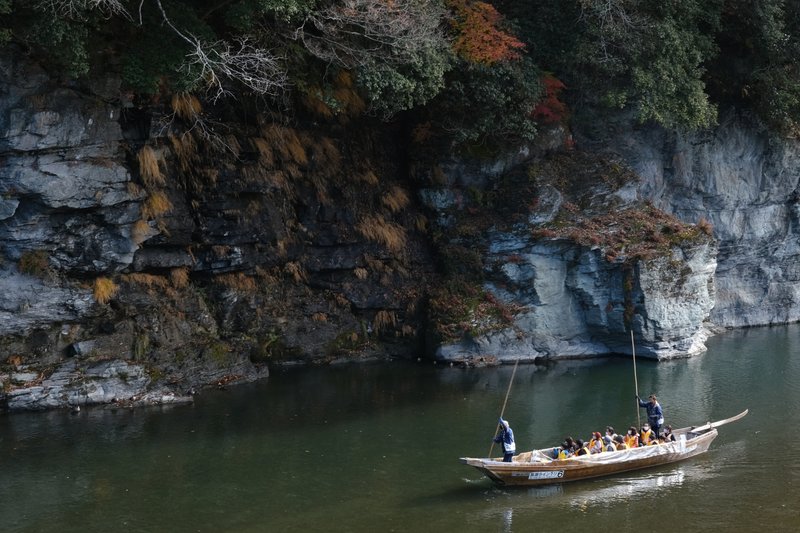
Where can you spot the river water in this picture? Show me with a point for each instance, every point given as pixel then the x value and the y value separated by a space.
pixel 375 448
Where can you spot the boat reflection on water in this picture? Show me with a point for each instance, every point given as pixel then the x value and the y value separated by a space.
pixel 625 488
pixel 587 494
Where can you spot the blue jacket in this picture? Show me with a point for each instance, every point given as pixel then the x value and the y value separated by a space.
pixel 506 436
pixel 654 412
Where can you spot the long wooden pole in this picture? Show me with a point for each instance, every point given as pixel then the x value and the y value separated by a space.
pixel 503 410
pixel 635 382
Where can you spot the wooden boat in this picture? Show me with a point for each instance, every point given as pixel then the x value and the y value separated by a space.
pixel 537 467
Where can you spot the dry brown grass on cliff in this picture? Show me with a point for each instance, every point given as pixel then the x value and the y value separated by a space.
pixel 634 233
pixel 179 277
pixel 328 154
pixel 705 226
pixel 156 205
pixel 151 282
pixel 134 189
pixel 421 223
pixel 369 177
pixel 313 100
pixel 186 105
pixel 184 147
pixel 384 321
pixel 347 95
pixel 266 157
pixel 296 271
pixel 395 199
pixel 150 168
pixel 104 289
pixel 361 273
pixel 341 300
pixel 286 142
pixel 377 229
pixel 140 231
pixel 296 149
pixel 238 282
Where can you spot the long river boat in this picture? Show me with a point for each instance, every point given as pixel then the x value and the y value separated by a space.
pixel 537 467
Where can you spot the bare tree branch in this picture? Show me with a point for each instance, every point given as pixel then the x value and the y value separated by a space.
pixel 256 68
pixel 77 8
pixel 615 20
pixel 354 32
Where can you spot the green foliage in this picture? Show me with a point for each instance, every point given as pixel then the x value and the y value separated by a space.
pixel 760 43
pixel 673 62
pixel 155 56
pixel 65 41
pixel 391 88
pixel 490 102
pixel 668 86
pixel 650 57
pixel 245 15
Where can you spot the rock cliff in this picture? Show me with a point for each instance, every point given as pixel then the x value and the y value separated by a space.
pixel 150 249
pixel 745 182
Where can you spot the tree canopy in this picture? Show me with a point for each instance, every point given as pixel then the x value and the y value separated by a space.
pixel 476 69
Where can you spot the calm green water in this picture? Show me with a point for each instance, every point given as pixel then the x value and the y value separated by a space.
pixel 375 448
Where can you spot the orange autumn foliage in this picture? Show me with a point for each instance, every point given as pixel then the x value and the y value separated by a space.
pixel 479 39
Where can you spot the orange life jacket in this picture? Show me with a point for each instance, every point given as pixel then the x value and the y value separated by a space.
pixel 631 440
pixel 646 436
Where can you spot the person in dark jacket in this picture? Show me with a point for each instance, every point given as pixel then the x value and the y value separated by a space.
pixel 506 436
pixel 654 413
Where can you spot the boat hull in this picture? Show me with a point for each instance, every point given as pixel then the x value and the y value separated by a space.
pixel 532 469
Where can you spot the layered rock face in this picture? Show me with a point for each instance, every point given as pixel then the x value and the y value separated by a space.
pixel 218 253
pixel 745 182
pixel 566 298
pixel 61 161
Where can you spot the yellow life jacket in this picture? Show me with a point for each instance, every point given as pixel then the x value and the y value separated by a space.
pixel 630 440
pixel 622 446
pixel 646 436
pixel 594 442
pixel 564 454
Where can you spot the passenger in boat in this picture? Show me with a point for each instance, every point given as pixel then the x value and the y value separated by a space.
pixel 608 444
pixel 610 432
pixel 668 436
pixel 655 415
pixel 582 448
pixel 573 446
pixel 596 443
pixel 566 450
pixel 646 435
pixel 506 436
pixel 632 438
pixel 620 443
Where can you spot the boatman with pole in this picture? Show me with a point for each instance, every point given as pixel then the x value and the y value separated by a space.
pixel 654 413
pixel 506 436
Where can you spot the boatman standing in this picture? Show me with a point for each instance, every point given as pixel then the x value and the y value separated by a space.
pixel 654 413
pixel 506 436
